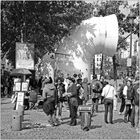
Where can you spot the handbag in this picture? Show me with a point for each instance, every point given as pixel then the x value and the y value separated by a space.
pixel 103 99
pixel 127 102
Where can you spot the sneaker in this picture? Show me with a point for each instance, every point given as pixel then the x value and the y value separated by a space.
pixel 106 122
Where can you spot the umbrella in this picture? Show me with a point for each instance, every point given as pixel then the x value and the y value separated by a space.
pixel 16 72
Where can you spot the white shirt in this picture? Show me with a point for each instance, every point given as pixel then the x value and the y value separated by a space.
pixel 125 91
pixel 109 92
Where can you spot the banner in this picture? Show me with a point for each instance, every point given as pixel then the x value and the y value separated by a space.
pixel 25 56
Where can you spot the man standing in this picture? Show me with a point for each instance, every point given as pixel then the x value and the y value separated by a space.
pixel 109 94
pixel 72 100
pixel 95 93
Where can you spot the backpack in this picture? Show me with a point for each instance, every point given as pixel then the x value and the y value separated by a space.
pixel 136 94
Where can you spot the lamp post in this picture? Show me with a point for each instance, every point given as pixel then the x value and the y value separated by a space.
pixel 131 18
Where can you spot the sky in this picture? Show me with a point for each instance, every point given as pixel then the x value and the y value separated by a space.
pixel 131 2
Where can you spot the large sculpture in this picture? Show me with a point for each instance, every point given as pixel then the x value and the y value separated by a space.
pixel 93 36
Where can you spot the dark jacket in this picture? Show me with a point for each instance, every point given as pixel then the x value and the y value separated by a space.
pixel 33 96
pixel 136 94
pixel 60 89
pixel 96 89
pixel 49 91
pixel 73 98
pixel 121 91
pixel 130 93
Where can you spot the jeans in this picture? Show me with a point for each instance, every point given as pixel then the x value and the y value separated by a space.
pixel 127 112
pixel 95 102
pixel 137 110
pixel 122 105
pixel 73 113
pixel 108 103
pixel 59 109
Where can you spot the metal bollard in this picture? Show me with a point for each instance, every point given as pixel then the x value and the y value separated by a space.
pixel 16 121
pixel 21 111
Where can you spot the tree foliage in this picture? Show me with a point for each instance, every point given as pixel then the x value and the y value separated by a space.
pixel 43 23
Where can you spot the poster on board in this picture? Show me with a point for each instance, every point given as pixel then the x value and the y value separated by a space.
pixel 24 55
pixel 20 99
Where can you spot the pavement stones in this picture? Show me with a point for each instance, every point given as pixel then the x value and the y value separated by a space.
pixel 35 121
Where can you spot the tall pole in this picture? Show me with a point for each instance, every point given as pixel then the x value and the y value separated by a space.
pixel 130 71
pixel 131 44
pixel 93 65
pixel 102 62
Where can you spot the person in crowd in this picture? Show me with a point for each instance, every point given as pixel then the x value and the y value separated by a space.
pixel 60 87
pixel 103 82
pixel 33 97
pixel 79 76
pixel 75 76
pixel 72 100
pixel 121 96
pixel 10 85
pixel 96 93
pixel 108 93
pixel 40 85
pixel 86 90
pixel 2 86
pixel 136 103
pixel 80 91
pixel 50 101
pixel 26 101
pixel 128 92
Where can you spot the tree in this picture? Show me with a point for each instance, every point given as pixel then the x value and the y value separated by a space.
pixel 43 23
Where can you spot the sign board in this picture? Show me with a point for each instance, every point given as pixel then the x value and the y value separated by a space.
pixel 20 99
pixel 17 86
pixel 24 86
pixel 25 55
pixel 129 62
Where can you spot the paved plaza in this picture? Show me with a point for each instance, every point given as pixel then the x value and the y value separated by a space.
pixel 33 126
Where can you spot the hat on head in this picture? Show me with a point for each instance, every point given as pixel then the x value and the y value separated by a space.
pixel 129 79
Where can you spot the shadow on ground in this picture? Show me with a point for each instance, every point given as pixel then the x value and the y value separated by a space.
pixel 95 126
pixel 118 121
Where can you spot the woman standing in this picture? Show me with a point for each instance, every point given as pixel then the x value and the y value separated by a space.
pixel 60 87
pixel 50 101
pixel 128 92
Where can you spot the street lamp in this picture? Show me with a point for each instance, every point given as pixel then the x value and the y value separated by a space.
pixel 131 18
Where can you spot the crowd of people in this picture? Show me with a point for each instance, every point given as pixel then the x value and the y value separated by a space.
pixel 76 91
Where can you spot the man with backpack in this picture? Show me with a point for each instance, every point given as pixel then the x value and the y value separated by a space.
pixel 96 93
